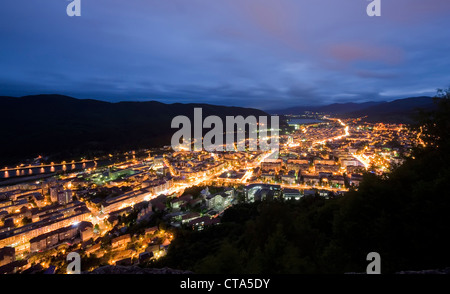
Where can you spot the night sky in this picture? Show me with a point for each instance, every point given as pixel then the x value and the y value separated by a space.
pixel 259 53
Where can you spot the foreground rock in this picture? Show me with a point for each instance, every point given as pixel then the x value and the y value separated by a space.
pixel 110 269
pixel 445 271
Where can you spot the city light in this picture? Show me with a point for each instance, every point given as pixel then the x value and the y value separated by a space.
pixel 304 162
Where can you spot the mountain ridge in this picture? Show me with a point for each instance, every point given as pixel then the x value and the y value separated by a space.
pixel 396 111
pixel 64 125
pixel 335 108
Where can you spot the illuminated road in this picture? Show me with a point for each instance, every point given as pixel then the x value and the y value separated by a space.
pixel 249 172
pixel 306 187
pixel 171 169
pixel 361 159
pixel 346 134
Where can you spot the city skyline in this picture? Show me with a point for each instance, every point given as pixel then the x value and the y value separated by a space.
pixel 243 53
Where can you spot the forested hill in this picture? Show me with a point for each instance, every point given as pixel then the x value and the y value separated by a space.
pixel 55 124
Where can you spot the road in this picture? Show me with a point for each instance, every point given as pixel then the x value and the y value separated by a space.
pixel 346 133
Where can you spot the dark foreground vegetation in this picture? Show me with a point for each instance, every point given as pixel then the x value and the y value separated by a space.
pixel 404 216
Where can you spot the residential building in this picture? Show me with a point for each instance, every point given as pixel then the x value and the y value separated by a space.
pixel 7 255
pixel 65 197
pixel 121 241
pixel 292 194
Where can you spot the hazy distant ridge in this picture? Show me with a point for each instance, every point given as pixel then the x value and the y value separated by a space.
pixel 399 111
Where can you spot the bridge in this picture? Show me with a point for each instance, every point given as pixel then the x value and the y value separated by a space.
pixel 43 168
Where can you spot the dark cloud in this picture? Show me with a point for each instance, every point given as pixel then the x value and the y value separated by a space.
pixel 256 53
pixel 376 74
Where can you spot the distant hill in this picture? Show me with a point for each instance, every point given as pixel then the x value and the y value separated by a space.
pixel 335 108
pixel 397 111
pixel 66 126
